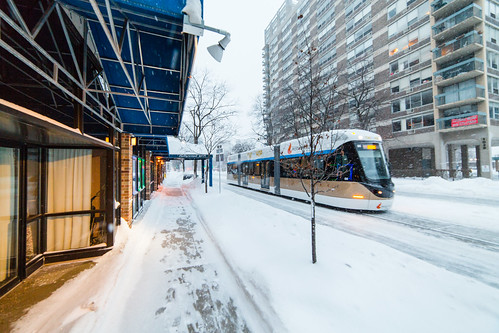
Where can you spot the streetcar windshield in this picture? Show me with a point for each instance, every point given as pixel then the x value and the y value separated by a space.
pixel 373 161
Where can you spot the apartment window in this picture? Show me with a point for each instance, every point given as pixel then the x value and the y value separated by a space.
pixel 411 81
pixel 428 120
pixel 493 85
pixel 396 126
pixel 327 30
pixel 353 6
pixel 360 50
pixel 408 20
pixel 492 59
pixel 415 80
pixel 494 110
pixel 419 121
pixel 359 34
pixel 325 20
pixel 396 106
pixel 398 7
pixel 492 34
pixel 324 7
pixel 359 18
pixel 409 40
pixel 491 9
pixel 412 101
pixel 394 67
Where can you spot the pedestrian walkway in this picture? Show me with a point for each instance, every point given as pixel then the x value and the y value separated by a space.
pixel 164 275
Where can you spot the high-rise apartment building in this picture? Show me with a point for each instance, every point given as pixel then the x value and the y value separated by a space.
pixel 433 64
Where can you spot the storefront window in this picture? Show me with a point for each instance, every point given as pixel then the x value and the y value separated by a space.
pixel 9 189
pixel 75 186
pixel 33 204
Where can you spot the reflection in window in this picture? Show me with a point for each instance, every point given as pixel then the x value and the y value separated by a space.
pixel 33 203
pixel 75 183
pixel 9 178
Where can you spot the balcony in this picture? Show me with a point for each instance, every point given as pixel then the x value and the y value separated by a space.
pixel 469 95
pixel 459 72
pixel 458 23
pixel 442 8
pixel 457 48
pixel 462 121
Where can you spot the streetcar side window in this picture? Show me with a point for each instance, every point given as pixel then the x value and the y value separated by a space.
pixel 256 169
pixel 232 169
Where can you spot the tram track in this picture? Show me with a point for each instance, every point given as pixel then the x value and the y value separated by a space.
pixel 430 240
pixel 415 222
pixel 424 224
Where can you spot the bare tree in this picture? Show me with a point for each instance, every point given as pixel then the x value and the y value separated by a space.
pixel 208 103
pixel 360 94
pixel 262 124
pixel 311 111
pixel 215 133
pixel 242 146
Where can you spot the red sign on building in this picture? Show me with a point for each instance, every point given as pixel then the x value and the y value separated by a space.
pixel 471 120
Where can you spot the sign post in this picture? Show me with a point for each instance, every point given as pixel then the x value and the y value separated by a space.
pixel 219 157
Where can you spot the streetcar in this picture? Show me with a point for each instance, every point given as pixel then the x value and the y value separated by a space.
pixel 356 169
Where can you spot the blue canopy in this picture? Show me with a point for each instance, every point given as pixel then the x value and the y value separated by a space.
pixel 146 59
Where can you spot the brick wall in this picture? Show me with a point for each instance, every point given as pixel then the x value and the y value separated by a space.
pixel 126 178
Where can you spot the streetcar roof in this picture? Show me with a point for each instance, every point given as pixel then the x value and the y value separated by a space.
pixel 329 141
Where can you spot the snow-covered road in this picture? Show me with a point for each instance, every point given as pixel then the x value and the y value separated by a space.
pixel 441 229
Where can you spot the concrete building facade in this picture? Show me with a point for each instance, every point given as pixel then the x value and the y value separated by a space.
pixel 432 65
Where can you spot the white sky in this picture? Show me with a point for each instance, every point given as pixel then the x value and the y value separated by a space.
pixel 241 66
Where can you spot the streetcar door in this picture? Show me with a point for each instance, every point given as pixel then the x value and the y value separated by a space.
pixel 265 176
pixel 245 173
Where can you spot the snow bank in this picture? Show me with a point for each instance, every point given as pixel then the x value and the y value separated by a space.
pixel 467 188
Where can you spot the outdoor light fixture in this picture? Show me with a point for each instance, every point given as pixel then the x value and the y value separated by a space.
pixel 134 141
pixel 216 51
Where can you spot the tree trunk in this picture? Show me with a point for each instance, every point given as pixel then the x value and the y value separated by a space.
pixel 312 222
pixel 206 181
pixel 195 169
pixel 314 251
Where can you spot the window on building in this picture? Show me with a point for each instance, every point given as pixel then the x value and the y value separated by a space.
pixel 396 106
pixel 413 101
pixel 428 120
pixel 408 40
pixel 492 34
pixel 411 81
pixel 359 18
pixel 491 9
pixel 396 126
pixel 409 19
pixel 492 59
pixel 493 85
pixel 353 6
pixel 494 110
pixel 361 50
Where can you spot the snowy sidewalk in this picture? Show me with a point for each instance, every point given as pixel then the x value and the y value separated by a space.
pixel 164 275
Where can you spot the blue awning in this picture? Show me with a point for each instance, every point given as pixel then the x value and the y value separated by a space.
pixel 146 59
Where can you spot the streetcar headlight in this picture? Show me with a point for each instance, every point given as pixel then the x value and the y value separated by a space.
pixel 358 196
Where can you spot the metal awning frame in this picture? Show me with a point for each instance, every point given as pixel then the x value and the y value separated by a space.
pixel 103 13
pixel 51 75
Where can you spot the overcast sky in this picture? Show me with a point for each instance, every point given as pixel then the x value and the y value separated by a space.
pixel 241 66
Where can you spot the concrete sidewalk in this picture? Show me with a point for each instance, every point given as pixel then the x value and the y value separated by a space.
pixel 167 277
